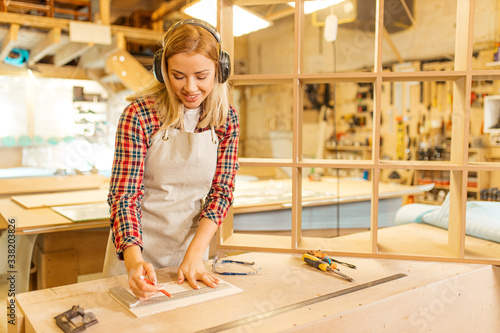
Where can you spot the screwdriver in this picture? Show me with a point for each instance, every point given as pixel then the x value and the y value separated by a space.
pixel 321 265
pixel 324 257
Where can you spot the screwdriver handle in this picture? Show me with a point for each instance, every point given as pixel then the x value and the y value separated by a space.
pixel 323 257
pixel 316 262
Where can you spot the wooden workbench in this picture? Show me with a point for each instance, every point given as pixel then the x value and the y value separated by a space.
pixel 55 243
pixel 276 194
pixel 432 296
pixel 265 206
pixel 81 245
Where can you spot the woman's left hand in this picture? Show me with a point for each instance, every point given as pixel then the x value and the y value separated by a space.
pixel 194 270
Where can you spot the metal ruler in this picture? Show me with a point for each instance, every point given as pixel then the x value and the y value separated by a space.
pixel 123 296
pixel 261 316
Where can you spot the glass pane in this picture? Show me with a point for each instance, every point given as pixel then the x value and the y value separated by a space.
pixel 411 217
pixel 482 228
pixel 265 120
pixel 338 121
pixel 262 201
pixel 416 121
pixel 485 38
pixel 336 212
pixel 484 137
pixel 13 109
pixel 269 50
pixel 423 30
pixel 340 37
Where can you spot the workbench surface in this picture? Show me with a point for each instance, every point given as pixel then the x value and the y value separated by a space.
pixel 285 280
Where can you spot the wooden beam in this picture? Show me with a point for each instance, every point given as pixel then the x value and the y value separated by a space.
pixel 163 10
pixel 130 71
pixel 9 41
pixel 96 57
pixel 104 11
pixel 138 35
pixel 243 3
pixel 70 52
pixel 45 70
pixel 99 76
pixel 392 46
pixel 45 46
pixel 34 21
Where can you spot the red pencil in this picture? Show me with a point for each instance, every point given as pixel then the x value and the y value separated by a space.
pixel 161 290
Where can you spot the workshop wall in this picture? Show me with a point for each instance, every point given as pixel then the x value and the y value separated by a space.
pixel 41 122
pixel 270 51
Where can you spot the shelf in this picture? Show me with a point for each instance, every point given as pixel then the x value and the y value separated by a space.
pixel 492 64
pixel 348 148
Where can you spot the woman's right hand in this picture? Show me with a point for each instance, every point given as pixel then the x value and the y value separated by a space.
pixel 137 270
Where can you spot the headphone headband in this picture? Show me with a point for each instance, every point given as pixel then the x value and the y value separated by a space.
pixel 210 28
pixel 223 65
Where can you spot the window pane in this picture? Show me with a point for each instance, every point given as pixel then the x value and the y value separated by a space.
pixel 265 120
pixel 412 218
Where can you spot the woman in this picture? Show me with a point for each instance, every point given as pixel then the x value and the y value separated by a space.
pixel 176 144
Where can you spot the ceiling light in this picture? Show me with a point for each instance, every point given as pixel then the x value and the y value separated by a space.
pixel 312 6
pixel 244 21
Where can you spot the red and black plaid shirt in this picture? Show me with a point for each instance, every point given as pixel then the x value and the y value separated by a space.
pixel 138 124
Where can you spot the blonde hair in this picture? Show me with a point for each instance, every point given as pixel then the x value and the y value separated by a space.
pixel 188 38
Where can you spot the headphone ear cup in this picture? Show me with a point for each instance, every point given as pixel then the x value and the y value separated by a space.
pixel 157 65
pixel 224 66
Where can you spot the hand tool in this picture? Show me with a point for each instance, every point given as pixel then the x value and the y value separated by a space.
pixel 324 257
pixel 151 283
pixel 127 299
pixel 65 320
pixel 322 265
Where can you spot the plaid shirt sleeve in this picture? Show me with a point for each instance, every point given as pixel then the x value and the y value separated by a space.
pixel 135 128
pixel 220 196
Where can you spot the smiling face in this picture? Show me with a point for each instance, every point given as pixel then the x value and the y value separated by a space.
pixel 192 77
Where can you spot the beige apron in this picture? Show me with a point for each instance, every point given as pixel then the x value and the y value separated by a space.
pixel 178 174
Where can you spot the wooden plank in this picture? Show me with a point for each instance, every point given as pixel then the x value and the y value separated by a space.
pixel 32 218
pixel 105 12
pixel 379 26
pixel 140 35
pixel 416 241
pixel 204 294
pixel 47 70
pixel 61 199
pixel 19 320
pixel 287 280
pixel 464 35
pixel 56 268
pixel 70 52
pixel 25 185
pixel 34 21
pixel 162 11
pixel 393 46
pixel 9 41
pixel 87 32
pixel 89 246
pixel 45 46
pixel 133 75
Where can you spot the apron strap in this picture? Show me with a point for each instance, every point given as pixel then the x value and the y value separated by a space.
pixel 214 136
pixel 165 135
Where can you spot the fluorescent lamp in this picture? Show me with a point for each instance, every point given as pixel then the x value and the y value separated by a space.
pixel 312 6
pixel 244 21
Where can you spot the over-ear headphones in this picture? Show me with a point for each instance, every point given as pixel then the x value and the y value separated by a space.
pixel 224 62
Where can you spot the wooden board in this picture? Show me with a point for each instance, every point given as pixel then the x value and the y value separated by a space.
pixel 285 280
pixel 40 220
pixel 61 199
pixel 175 288
pixel 262 195
pixel 24 185
pixel 87 212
